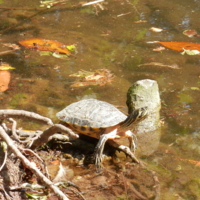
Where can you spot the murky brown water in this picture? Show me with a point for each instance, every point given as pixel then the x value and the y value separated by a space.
pixel 113 41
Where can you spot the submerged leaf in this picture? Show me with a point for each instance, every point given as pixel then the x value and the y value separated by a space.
pixel 194 162
pixel 190 33
pixel 46 53
pixel 45 45
pixel 141 35
pixel 185 98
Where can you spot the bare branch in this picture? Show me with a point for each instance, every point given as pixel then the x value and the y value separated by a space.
pixel 50 131
pixel 22 113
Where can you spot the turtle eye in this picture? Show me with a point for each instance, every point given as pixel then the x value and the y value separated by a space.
pixel 142 113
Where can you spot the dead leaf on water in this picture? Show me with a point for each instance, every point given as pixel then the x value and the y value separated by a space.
pixel 98 77
pixel 4 80
pixel 173 66
pixel 190 33
pixel 45 45
pixel 181 46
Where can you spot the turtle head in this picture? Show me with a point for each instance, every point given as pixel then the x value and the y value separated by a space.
pixel 135 117
pixel 139 114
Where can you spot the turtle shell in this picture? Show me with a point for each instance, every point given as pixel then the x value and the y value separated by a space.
pixel 89 114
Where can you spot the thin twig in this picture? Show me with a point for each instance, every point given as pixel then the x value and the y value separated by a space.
pixel 4 147
pixel 138 194
pixel 156 180
pixel 14 133
pixel 14 125
pixel 38 157
pixel 157 185
pixel 67 184
pixel 125 185
pixel 18 8
pixel 92 2
pixel 6 194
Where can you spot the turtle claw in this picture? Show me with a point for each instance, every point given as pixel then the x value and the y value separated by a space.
pixel 99 167
pixel 98 164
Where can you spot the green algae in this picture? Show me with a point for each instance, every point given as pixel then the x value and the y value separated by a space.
pixel 19 99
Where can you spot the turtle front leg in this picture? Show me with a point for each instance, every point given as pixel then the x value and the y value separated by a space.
pixel 99 151
pixel 132 140
pixel 108 134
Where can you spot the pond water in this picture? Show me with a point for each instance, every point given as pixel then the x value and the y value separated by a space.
pixel 111 36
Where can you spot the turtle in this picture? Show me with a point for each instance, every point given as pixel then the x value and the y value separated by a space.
pixel 101 120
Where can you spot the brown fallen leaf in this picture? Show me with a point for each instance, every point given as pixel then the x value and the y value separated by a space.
pixel 190 33
pixel 45 45
pixel 4 80
pixel 98 77
pixel 173 66
pixel 181 46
